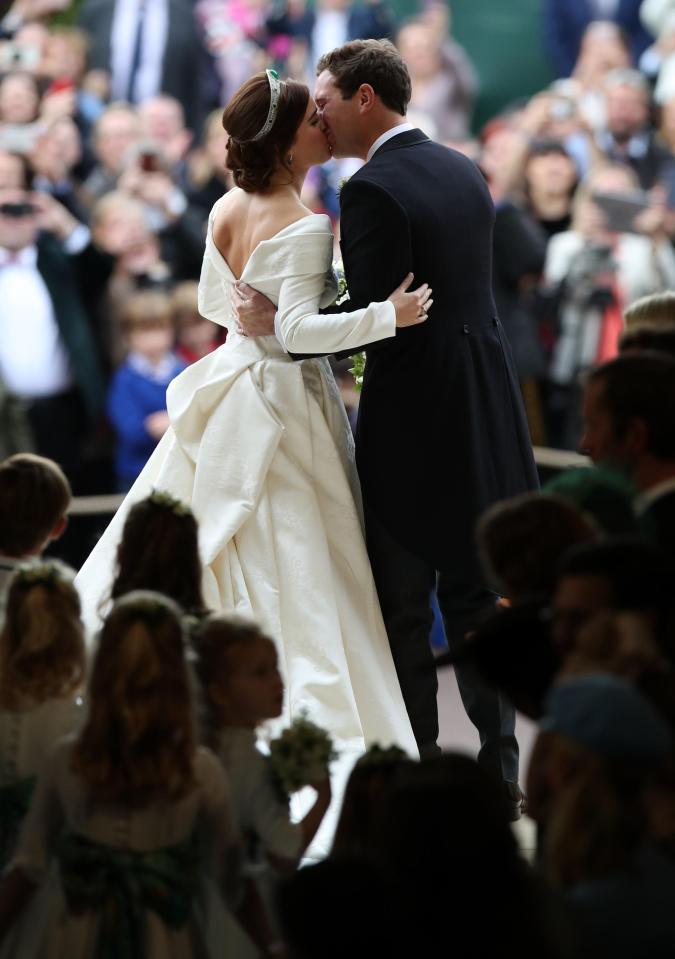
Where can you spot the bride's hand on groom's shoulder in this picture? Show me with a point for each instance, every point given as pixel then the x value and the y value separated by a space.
pixel 413 306
pixel 255 313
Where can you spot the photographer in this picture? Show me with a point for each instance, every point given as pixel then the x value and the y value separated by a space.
pixel 595 269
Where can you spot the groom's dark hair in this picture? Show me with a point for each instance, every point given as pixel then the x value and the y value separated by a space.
pixel 376 62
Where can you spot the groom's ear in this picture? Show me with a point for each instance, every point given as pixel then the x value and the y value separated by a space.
pixel 366 98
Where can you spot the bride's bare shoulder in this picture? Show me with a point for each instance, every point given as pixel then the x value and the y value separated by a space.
pixel 254 216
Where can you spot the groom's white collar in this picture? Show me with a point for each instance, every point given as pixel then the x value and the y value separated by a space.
pixel 387 135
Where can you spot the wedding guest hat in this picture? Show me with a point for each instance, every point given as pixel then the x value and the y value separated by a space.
pixel 610 717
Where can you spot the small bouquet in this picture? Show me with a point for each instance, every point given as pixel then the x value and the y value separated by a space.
pixel 359 359
pixel 301 756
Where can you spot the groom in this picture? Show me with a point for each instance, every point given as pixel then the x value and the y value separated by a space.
pixel 441 432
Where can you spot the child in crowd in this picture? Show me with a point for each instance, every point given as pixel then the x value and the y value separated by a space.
pixel 656 310
pixel 135 813
pixel 601 745
pixel 159 550
pixel 238 671
pixel 365 794
pixel 34 499
pixel 42 664
pixel 196 337
pixel 137 395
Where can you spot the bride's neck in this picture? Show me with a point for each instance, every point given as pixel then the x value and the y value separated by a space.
pixel 280 183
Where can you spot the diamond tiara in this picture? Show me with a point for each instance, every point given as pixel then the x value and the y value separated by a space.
pixel 275 92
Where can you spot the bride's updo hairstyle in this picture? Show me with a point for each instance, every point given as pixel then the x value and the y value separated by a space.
pixel 253 158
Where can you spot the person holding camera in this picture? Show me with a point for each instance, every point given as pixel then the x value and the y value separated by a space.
pixel 48 356
pixel 611 256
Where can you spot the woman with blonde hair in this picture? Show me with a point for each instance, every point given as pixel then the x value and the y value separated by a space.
pixel 134 813
pixel 42 665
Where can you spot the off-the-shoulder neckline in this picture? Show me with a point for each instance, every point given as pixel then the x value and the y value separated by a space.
pixel 270 239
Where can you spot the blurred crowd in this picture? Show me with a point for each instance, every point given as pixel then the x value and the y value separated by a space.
pixel 112 155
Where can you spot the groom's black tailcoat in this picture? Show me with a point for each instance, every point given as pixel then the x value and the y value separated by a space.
pixel 441 429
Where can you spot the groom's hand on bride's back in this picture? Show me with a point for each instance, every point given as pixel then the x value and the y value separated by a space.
pixel 255 313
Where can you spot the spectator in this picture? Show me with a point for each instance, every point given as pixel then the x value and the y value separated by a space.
pixel 601 744
pixel 365 795
pixel 622 573
pixel 443 834
pixel 658 309
pixel 148 177
pixel 602 494
pixel 604 48
pixel 196 337
pixel 550 182
pixel 564 23
pixel 627 136
pixel 334 22
pixel 647 337
pixel 443 80
pixel 65 64
pixel 137 396
pixel 162 122
pixel 34 499
pixel 209 177
pixel 596 270
pixel 115 132
pixel 522 539
pixel 629 417
pixel 54 159
pixel 118 223
pixel 48 355
pixel 174 61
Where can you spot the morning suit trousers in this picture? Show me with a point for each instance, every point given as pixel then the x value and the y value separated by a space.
pixel 404 585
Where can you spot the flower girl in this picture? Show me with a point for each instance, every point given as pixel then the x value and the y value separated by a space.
pixel 241 686
pixel 236 665
pixel 159 551
pixel 129 815
pixel 42 663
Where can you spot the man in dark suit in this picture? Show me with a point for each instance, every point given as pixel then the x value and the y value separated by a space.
pixel 564 23
pixel 150 47
pixel 48 352
pixel 441 432
pixel 629 422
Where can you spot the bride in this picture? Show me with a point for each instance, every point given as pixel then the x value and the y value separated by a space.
pixel 260 446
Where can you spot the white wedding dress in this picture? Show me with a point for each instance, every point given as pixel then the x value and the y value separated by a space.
pixel 260 448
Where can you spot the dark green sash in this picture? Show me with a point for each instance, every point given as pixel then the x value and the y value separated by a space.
pixel 122 884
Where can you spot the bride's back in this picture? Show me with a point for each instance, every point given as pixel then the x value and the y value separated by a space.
pixel 244 220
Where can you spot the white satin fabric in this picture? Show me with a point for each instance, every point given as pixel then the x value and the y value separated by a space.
pixel 260 447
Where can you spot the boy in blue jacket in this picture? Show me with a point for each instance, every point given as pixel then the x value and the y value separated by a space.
pixel 137 395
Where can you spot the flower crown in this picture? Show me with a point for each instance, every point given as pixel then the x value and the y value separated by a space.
pixel 162 498
pixel 377 755
pixel 147 605
pixel 46 574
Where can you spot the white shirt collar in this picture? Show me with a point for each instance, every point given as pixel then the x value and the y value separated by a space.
pixel 645 500
pixel 26 257
pixel 157 372
pixel 387 135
